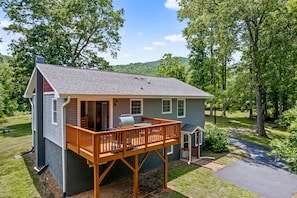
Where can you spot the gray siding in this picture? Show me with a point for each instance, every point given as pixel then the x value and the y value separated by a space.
pixel 122 106
pixel 194 111
pixel 79 174
pixel 71 112
pixel 52 131
pixel 53 157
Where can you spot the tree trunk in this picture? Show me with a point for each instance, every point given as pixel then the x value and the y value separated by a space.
pixel 210 111
pixel 251 107
pixel 260 112
pixel 224 107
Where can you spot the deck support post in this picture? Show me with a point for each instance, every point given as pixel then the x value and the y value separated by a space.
pixel 135 177
pixel 96 181
pixel 165 167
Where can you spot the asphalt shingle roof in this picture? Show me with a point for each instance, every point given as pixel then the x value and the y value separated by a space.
pixel 74 81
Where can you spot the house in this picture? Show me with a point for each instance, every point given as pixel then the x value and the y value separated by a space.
pixel 80 130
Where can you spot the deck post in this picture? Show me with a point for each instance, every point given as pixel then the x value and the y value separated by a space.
pixel 96 181
pixel 135 177
pixel 165 177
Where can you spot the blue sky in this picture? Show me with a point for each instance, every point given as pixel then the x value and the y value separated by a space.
pixel 150 30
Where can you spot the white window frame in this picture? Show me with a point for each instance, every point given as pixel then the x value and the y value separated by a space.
pixel 55 122
pixel 184 141
pixel 184 115
pixel 201 138
pixel 141 107
pixel 170 103
pixel 170 151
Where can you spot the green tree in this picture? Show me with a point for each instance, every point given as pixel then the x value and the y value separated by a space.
pixel 64 32
pixel 257 26
pixel 172 67
pixel 287 148
pixel 7 103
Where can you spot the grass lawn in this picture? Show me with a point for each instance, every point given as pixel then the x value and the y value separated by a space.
pixel 193 181
pixel 18 179
pixel 240 126
pixel 15 176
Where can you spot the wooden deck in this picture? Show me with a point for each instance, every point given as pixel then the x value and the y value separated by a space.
pixel 104 146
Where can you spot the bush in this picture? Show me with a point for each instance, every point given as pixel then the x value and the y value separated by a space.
pixel 287 148
pixel 215 140
pixel 287 118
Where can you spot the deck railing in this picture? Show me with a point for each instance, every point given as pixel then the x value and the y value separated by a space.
pixel 94 145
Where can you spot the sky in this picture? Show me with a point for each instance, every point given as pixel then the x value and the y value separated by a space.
pixel 151 29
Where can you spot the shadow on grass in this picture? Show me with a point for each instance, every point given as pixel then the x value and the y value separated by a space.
pixel 170 193
pixel 17 130
pixel 40 181
pixel 234 122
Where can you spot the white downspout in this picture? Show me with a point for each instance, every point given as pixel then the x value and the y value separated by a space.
pixel 32 122
pixel 190 148
pixel 64 145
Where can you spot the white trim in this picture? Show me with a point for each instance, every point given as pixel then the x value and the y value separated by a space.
pixel 183 116
pixel 201 138
pixel 170 101
pixel 54 122
pixel 141 107
pixel 73 95
pixel 31 85
pixel 170 152
pixel 49 93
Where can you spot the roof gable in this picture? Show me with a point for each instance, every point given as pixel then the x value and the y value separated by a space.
pixel 67 81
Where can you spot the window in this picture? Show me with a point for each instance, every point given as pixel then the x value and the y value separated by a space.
pixel 166 106
pixel 170 150
pixel 186 141
pixel 196 138
pixel 181 108
pixel 136 107
pixel 54 111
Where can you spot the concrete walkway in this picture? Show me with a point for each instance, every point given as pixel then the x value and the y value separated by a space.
pixel 259 173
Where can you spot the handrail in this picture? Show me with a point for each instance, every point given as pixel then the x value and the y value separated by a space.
pixel 91 144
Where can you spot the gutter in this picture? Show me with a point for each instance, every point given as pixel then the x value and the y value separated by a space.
pixel 64 145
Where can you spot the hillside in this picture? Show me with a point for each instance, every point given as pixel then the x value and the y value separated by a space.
pixel 147 68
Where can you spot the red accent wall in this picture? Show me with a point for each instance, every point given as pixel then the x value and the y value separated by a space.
pixel 46 87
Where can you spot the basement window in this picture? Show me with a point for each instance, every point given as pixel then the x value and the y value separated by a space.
pixel 170 150
pixel 54 111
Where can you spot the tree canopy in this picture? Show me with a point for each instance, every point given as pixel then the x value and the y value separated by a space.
pixel 172 67
pixel 263 31
pixel 65 32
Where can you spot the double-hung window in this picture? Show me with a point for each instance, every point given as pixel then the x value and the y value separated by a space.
pixel 54 111
pixel 166 106
pixel 181 108
pixel 136 107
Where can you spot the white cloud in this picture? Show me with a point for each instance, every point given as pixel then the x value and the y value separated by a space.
pixel 175 38
pixel 148 48
pixel 172 4
pixel 139 33
pixel 126 55
pixel 5 23
pixel 159 43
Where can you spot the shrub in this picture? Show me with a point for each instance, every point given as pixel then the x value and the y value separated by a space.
pixel 287 148
pixel 287 118
pixel 215 140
